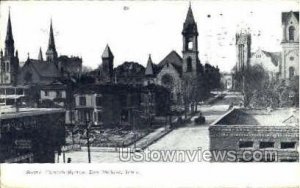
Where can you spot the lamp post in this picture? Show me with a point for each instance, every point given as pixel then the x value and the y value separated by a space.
pixel 88 135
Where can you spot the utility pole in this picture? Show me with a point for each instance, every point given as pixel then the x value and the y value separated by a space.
pixel 88 136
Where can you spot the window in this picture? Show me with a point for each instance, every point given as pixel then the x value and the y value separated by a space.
pixel 245 144
pixel 82 101
pixel 291 58
pixel 7 67
pixel 287 145
pixel 189 65
pixel 190 45
pixel 266 145
pixel 98 101
pixel 10 101
pixel 167 80
pixel 99 116
pixel 291 33
pixel 58 94
pixel 258 56
pixel 291 72
pixel 288 160
pixel 46 93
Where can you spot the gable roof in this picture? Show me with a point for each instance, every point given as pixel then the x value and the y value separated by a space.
pixel 275 57
pixel 286 15
pixel 173 58
pixel 43 68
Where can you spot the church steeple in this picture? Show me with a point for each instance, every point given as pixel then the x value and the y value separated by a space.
pixel 51 51
pixel 149 69
pixel 190 51
pixel 9 40
pixel 108 64
pixel 40 57
pixel 190 26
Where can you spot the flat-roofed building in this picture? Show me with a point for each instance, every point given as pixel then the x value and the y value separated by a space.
pixel 31 135
pixel 257 132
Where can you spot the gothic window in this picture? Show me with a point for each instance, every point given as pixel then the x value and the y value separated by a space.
pixel 291 72
pixel 291 33
pixel 291 58
pixel 189 65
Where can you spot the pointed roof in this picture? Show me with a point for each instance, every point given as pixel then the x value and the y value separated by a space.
pixel 173 57
pixel 40 57
pixel 107 52
pixel 149 68
pixel 190 25
pixel 9 35
pixel 190 17
pixel 285 16
pixel 51 43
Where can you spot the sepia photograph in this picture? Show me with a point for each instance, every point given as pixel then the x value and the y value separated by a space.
pixel 149 83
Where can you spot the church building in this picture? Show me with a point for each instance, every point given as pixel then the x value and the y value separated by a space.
pixel 289 66
pixel 174 71
pixel 9 61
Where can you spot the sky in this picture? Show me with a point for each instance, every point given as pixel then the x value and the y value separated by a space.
pixel 135 29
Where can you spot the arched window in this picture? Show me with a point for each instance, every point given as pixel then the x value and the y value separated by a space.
pixel 291 33
pixel 190 45
pixel 189 67
pixel 291 72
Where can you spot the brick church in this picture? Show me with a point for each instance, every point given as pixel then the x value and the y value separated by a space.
pixel 174 71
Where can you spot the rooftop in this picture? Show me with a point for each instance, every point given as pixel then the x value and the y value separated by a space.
pixel 264 117
pixel 10 112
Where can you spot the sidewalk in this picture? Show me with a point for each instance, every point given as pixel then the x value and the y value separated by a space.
pixel 150 138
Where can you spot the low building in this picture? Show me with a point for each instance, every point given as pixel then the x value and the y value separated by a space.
pixel 256 135
pixel 31 135
pixel 117 105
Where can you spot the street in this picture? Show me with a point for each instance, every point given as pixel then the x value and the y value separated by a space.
pixel 190 137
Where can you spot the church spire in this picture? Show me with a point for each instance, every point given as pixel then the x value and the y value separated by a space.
pixel 149 68
pixel 40 57
pixel 51 51
pixel 107 53
pixel 190 25
pixel 9 40
pixel 51 44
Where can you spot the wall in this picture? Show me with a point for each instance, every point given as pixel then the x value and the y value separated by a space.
pixel 228 137
pixel 230 130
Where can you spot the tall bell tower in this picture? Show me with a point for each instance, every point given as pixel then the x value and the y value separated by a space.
pixel 9 61
pixel 190 51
